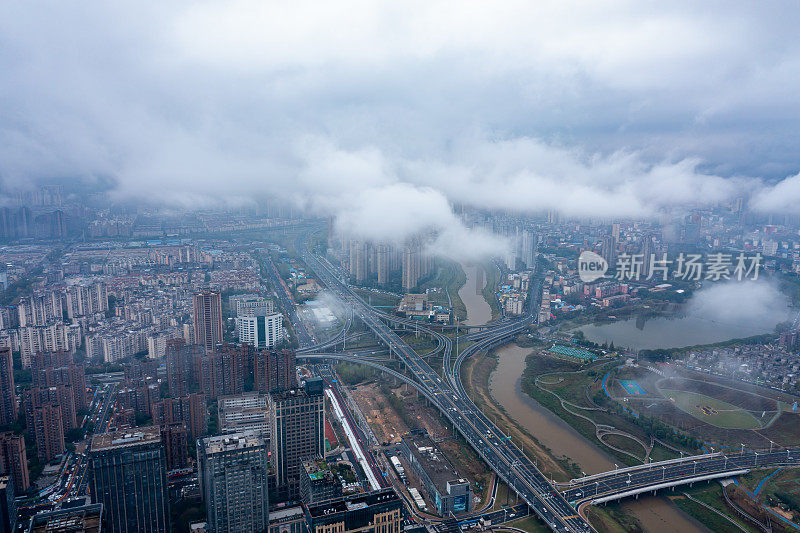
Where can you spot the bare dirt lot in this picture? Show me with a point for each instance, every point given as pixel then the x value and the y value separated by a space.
pixel 393 411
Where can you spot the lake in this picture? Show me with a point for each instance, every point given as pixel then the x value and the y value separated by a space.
pixel 666 332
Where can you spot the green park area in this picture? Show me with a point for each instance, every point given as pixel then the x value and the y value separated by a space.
pixel 711 410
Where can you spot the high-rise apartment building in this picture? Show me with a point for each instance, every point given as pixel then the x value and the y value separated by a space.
pixel 275 371
pixel 40 309
pixel 180 363
pixel 233 470
pixel 260 331
pixel 648 251
pixel 208 318
pixel 84 300
pixel 8 505
pixel 415 264
pixel 51 369
pixel 528 247
pixel 53 337
pixel 608 251
pixel 176 445
pixel 190 410
pixel 411 265
pixel 615 230
pixel 37 397
pixel 14 460
pixel 221 372
pixel 129 477
pixel 48 430
pixel 358 260
pixel 8 398
pixel 297 433
pixel 383 263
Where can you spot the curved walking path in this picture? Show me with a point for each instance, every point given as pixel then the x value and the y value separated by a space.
pixel 600 430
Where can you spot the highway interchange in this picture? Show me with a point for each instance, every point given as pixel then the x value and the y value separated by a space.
pixel 499 452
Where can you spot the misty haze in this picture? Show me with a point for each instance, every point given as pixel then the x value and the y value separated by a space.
pixel 356 267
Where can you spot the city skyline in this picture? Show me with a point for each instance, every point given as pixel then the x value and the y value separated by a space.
pixel 357 267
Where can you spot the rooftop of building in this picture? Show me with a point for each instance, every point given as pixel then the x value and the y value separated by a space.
pixel 314 386
pixel 351 503
pixel 85 518
pixel 235 441
pixel 286 514
pixel 317 470
pixel 433 461
pixel 236 401
pixel 125 438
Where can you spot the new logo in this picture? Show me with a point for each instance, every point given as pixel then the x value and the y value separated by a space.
pixel 591 266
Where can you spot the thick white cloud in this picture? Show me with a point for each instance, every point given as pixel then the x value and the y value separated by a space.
pixel 784 197
pixel 620 108
pixel 757 304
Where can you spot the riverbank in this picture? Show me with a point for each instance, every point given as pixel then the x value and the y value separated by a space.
pixel 475 374
pixel 655 514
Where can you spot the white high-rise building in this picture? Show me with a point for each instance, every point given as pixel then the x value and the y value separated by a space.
pixel 251 305
pixel 260 331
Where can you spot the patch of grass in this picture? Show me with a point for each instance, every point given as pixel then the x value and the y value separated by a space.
pixel 353 373
pixel 716 413
pixel 531 524
pixel 711 495
pixel 660 453
pixel 379 299
pixel 625 443
pixel 450 277
pixel 611 519
pixel 493 278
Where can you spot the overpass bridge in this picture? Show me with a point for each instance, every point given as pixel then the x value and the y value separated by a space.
pixel 651 477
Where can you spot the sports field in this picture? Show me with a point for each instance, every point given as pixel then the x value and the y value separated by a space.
pixel 711 410
pixel 631 387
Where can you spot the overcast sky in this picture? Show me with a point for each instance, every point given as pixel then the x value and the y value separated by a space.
pixel 366 108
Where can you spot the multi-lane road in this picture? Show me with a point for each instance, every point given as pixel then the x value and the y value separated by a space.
pixel 629 481
pixel 498 451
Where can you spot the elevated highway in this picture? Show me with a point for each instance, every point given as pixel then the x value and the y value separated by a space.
pixel 635 480
pixel 497 450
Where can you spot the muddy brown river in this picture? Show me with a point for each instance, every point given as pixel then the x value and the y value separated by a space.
pixel 478 311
